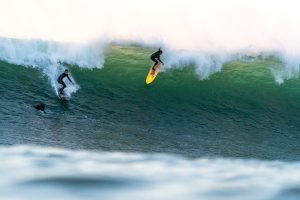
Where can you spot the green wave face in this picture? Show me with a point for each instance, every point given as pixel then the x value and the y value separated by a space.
pixel 238 112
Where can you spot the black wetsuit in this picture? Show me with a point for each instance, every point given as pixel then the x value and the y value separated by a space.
pixel 155 57
pixel 60 81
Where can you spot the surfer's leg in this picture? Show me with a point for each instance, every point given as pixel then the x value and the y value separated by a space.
pixel 155 64
pixel 60 82
pixel 63 87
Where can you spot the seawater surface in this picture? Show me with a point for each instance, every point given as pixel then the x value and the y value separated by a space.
pixel 31 172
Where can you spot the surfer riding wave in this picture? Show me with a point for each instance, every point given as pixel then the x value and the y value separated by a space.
pixel 60 80
pixel 155 57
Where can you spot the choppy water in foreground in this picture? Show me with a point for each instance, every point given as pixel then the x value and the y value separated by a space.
pixel 34 173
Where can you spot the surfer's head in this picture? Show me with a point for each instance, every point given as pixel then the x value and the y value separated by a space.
pixel 66 71
pixel 160 51
pixel 40 107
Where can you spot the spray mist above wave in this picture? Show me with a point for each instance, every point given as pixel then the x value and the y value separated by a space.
pixel 50 57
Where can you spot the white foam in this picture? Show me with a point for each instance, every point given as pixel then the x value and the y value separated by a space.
pixel 205 64
pixel 289 69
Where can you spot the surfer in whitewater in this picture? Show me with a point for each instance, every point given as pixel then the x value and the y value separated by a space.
pixel 155 57
pixel 61 81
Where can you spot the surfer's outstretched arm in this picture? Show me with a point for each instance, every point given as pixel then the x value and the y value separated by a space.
pixel 69 78
pixel 160 61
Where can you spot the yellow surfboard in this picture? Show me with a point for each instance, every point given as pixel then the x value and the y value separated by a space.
pixel 152 75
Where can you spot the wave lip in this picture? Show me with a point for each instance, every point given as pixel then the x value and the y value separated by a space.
pixel 64 174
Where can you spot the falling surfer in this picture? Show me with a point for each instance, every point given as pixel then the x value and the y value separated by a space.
pixel 61 81
pixel 155 57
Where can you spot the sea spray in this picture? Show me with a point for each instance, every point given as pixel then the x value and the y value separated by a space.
pixel 51 57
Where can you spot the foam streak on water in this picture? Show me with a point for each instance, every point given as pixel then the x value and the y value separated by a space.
pixel 49 173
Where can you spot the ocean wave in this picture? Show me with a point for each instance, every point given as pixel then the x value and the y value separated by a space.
pixel 51 57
